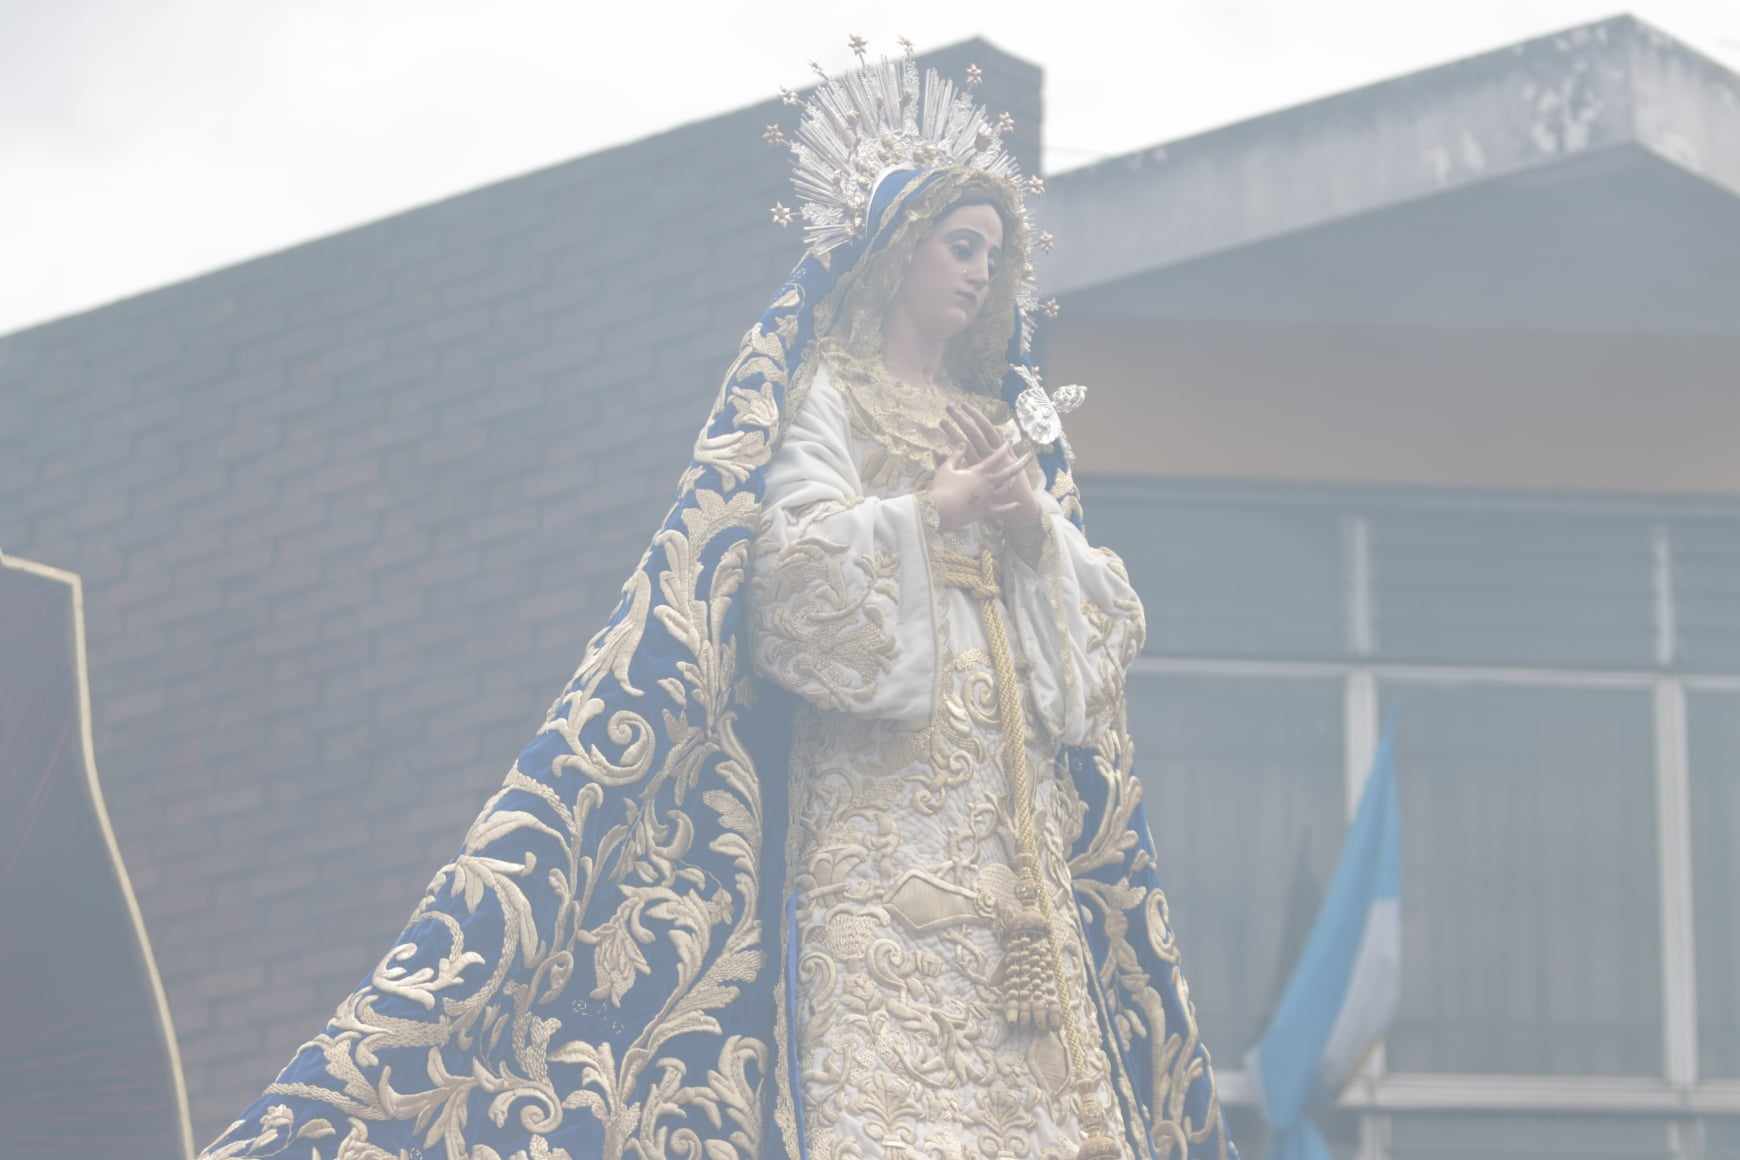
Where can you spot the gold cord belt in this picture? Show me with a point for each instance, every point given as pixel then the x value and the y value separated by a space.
pixel 1034 977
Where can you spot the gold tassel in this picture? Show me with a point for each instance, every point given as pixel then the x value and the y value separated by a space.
pixel 1033 982
pixel 1029 984
pixel 1096 1142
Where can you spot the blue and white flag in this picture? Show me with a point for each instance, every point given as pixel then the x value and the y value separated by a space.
pixel 1342 994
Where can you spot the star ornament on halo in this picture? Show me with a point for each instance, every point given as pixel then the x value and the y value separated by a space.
pixel 1038 414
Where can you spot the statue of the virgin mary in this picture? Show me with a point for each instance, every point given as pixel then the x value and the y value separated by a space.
pixel 832 846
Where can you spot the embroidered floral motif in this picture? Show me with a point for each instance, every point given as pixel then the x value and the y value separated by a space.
pixel 823 619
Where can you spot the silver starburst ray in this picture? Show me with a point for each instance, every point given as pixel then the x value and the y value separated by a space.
pixel 880 116
pixel 856 127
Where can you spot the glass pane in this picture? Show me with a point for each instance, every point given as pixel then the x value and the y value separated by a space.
pixel 1223 580
pixel 1483 1136
pixel 1340 1130
pixel 1530 903
pixel 1507 587
pixel 1706 562
pixel 1243 785
pixel 1721 1138
pixel 1713 737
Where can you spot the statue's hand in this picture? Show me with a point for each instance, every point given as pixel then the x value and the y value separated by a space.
pixel 1014 504
pixel 966 494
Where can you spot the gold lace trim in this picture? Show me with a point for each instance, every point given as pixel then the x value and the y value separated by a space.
pixel 903 420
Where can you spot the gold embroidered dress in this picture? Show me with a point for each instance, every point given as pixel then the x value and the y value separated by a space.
pixel 902 850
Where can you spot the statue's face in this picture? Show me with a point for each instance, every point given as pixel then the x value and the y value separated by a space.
pixel 950 275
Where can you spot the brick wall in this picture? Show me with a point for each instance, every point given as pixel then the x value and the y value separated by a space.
pixel 347 515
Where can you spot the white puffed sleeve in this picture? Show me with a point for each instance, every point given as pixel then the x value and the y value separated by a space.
pixel 841 601
pixel 1080 624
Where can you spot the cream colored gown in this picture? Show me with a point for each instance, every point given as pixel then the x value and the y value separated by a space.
pixel 901 852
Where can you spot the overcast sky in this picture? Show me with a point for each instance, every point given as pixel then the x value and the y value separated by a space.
pixel 147 141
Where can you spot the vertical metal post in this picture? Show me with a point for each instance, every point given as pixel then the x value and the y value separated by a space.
pixel 1674 851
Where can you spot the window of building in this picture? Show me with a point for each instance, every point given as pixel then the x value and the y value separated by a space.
pixel 1564 678
pixel 1713 728
pixel 1528 875
pixel 1242 780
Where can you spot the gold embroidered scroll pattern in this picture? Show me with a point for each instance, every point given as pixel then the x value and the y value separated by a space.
pixel 823 615
pixel 672 894
pixel 1116 633
pixel 706 927
pixel 898 923
pixel 965 709
pixel 905 1048
pixel 1101 873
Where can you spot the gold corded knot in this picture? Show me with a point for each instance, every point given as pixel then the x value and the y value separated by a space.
pixel 988 572
pixel 978 577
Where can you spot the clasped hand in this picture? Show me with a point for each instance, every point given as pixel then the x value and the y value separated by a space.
pixel 984 478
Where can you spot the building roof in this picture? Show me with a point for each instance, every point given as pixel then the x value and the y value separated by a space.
pixel 1586 180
